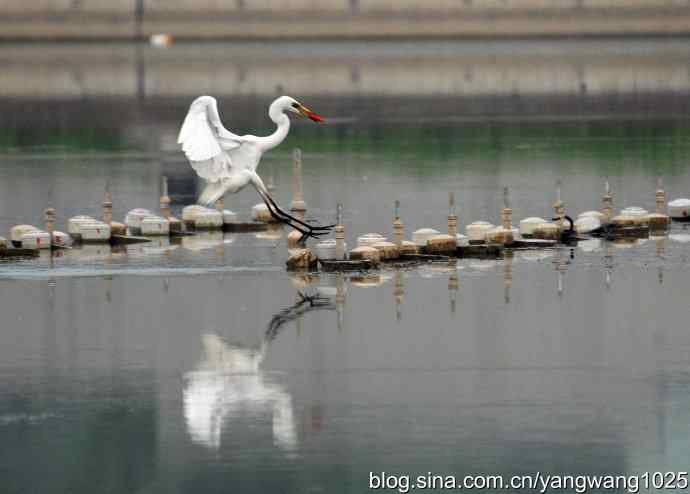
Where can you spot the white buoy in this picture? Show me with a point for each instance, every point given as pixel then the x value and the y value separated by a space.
pixel 476 231
pixel 370 239
pixel 18 231
pixel 639 215
pixel 528 225
pixel 94 231
pixel 408 247
pixel 462 240
pixel 623 221
pixel 61 239
pixel 499 235
pixel 36 239
pixel 595 214
pixel 74 222
pixel 134 218
pixel 365 252
pixel 260 212
pixel 155 225
pixel 587 224
pixel 229 216
pixel 442 244
pixel 679 209
pixel 189 213
pixel 547 231
pixel 325 249
pixel 423 235
pixel 387 250
pixel 208 219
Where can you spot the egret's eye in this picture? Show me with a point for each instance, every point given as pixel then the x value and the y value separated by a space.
pixel 295 105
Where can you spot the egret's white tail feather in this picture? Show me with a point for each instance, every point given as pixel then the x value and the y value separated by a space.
pixel 212 192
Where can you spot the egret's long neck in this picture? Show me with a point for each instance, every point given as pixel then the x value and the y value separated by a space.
pixel 283 122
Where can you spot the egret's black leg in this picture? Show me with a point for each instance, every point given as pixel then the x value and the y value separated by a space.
pixel 287 221
pixel 297 220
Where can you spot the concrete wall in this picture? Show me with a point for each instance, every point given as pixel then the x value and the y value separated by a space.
pixel 69 19
pixel 469 69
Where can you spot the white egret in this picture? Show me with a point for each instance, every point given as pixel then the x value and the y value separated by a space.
pixel 228 161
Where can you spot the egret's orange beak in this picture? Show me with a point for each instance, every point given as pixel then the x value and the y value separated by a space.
pixel 314 117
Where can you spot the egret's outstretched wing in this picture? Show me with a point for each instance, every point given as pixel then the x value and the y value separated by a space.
pixel 205 141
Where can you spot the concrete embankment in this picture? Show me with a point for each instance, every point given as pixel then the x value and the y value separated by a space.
pixel 340 19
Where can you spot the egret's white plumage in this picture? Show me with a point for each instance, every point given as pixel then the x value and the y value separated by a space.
pixel 228 161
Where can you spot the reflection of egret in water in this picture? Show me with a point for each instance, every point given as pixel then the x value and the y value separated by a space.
pixel 229 382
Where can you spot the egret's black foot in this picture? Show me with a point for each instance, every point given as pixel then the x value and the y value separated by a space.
pixel 327 227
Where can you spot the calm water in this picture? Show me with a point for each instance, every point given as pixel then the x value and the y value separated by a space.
pixel 198 366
